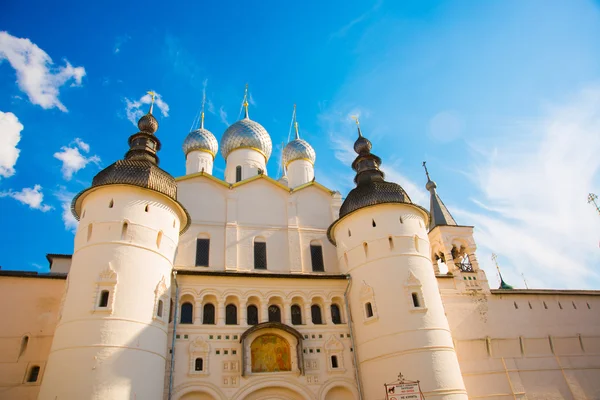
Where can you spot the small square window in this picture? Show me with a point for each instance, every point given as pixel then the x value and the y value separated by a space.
pixel 313 336
pixel 310 350
pixel 318 350
pixel 305 336
pixel 234 352
pixel 218 337
pixel 320 336
pixel 177 336
pixel 227 337
pixel 341 335
pixel 347 335
pixel 351 349
pixel 225 352
pixel 235 337
pixel 218 352
pixel 210 336
pixel 304 351
pixel 185 336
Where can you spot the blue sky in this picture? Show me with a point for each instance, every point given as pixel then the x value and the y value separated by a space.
pixel 502 98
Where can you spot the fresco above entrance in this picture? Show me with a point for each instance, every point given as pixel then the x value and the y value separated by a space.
pixel 270 353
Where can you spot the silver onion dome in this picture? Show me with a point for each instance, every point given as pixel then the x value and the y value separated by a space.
pixel 246 133
pixel 298 149
pixel 201 139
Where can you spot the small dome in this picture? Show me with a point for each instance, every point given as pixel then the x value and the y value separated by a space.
pixel 148 123
pixel 430 185
pixel 362 145
pixel 201 139
pixel 246 133
pixel 298 149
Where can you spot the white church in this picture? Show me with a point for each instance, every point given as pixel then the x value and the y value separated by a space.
pixel 248 287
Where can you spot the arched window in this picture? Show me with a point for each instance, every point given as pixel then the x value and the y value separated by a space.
pixel 296 315
pixel 238 173
pixel 104 298
pixel 334 362
pixel 260 254
pixel 274 313
pixel 159 309
pixel 111 204
pixel 33 374
pixel 316 257
pixel 199 364
pixel 208 316
pixel 124 230
pixel 336 316
pixel 369 310
pixel 187 313
pixel 315 312
pixel 159 238
pixel 231 314
pixel 252 314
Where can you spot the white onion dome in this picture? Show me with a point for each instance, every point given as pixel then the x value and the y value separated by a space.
pixel 201 139
pixel 245 134
pixel 298 149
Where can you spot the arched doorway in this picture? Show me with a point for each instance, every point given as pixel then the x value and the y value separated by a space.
pixel 339 393
pixel 197 396
pixel 274 393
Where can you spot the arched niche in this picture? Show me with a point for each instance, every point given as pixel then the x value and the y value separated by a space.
pixel 265 347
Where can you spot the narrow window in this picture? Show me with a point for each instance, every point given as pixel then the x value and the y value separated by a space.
pixel 252 314
pixel 33 374
pixel 159 239
pixel 159 309
pixel 530 306
pixel 588 306
pixel 315 312
pixel 417 243
pixel 173 223
pixel 260 171
pixel 373 223
pixel 559 305
pixel 401 220
pixel 231 314
pixel 83 215
pixel 208 316
pixel 574 306
pixel 124 230
pixel 545 305
pixel 103 299
pixel 111 204
pixel 24 343
pixel 336 316
pixel 516 306
pixel 199 364
pixel 238 173
pixel 334 362
pixel 316 257
pixel 349 233
pixel 369 310
pixel 415 299
pixel 346 259
pixel 187 313
pixel 366 249
pixel 89 232
pixel 296 315
pixel 274 314
pixel 202 252
pixel 147 208
pixel 260 255
pixel 391 242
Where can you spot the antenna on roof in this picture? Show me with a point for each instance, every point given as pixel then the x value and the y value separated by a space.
pixel 592 200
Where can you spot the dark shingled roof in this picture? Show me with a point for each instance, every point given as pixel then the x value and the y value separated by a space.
pixel 371 193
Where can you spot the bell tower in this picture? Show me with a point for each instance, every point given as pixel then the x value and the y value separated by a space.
pixel 111 338
pixel 452 245
pixel 398 317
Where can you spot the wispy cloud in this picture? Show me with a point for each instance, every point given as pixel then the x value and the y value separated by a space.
pixel 446 126
pixel 10 135
pixel 73 160
pixel 223 116
pixel 119 42
pixel 134 111
pixel 533 208
pixel 346 28
pixel 35 73
pixel 65 197
pixel 32 197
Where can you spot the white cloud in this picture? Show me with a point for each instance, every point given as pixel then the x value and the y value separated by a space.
pixel 36 75
pixel 223 116
pixel 73 160
pixel 134 109
pixel 65 197
pixel 33 197
pixel 534 189
pixel 10 135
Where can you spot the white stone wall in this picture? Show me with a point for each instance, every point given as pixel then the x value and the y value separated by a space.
pixel 300 172
pixel 250 160
pixel 125 245
pixel 198 161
